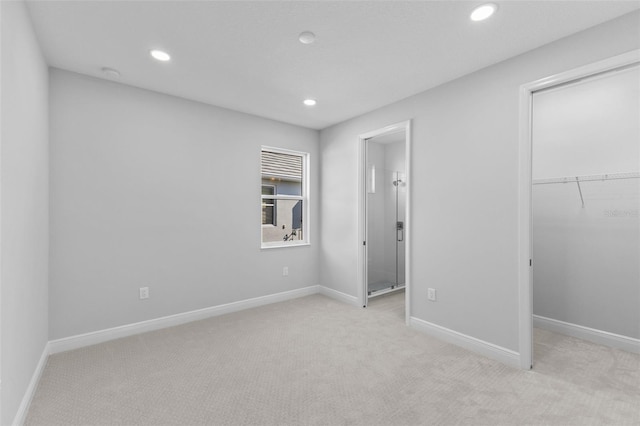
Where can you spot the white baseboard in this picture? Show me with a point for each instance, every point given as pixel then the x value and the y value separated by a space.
pixel 88 339
pixel 504 355
pixel 591 334
pixel 338 295
pixel 31 389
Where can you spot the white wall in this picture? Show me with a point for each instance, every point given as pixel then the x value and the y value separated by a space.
pixel 588 128
pixel 586 258
pixel 153 190
pixel 464 186
pixel 24 174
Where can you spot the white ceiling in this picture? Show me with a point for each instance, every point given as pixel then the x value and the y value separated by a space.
pixel 246 55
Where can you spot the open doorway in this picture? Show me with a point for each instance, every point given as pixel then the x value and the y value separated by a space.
pixel 385 213
pixel 580 236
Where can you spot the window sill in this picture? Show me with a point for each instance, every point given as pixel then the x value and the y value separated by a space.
pixel 280 245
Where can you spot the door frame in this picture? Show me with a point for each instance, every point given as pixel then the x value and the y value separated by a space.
pixel 525 228
pixel 362 211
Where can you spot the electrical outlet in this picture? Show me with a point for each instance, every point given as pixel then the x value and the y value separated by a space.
pixel 431 294
pixel 285 271
pixel 144 292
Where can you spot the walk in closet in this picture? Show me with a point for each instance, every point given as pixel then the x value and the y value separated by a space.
pixel 585 204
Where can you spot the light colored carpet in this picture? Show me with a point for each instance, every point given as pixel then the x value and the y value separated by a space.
pixel 316 361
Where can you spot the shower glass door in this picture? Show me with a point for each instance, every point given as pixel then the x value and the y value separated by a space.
pixel 386 205
pixel 401 202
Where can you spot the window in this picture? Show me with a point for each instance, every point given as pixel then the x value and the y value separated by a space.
pixel 284 197
pixel 268 205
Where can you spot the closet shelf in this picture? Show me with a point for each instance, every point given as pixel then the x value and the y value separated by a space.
pixel 588 178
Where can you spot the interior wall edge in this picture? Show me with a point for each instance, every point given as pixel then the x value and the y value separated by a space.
pixel 21 415
pixel 340 296
pixel 53 69
pixel 593 335
pixel 88 339
pixel 490 350
pixel 24 207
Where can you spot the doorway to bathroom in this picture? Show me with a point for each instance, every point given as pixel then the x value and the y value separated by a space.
pixel 385 199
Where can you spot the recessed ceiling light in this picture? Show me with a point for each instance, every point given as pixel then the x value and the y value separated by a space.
pixel 160 55
pixel 307 37
pixel 309 102
pixel 110 72
pixel 484 11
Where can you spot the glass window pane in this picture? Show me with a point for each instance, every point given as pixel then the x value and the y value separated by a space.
pixel 283 171
pixel 288 222
pixel 289 188
pixel 268 213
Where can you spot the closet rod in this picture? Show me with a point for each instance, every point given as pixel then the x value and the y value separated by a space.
pixel 580 191
pixel 589 178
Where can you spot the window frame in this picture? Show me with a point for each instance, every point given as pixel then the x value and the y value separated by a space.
pixel 304 197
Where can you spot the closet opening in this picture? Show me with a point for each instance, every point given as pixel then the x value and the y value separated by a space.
pixel 385 213
pixel 583 212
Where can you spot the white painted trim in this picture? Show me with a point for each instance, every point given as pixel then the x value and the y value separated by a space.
pixel 407 225
pixel 361 274
pixel 93 338
pixel 392 128
pixel 525 288
pixel 280 245
pixel 591 334
pixel 21 415
pixel 340 296
pixel 504 355
pixel 362 214
pixel 588 70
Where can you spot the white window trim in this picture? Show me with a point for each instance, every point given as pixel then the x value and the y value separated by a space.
pixel 305 198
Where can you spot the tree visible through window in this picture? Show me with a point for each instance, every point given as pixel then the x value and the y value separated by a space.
pixel 283 197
